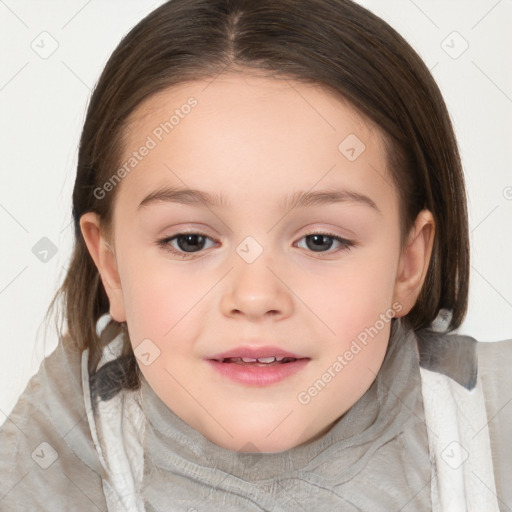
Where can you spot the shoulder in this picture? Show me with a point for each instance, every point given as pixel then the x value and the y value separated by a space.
pixel 479 366
pixel 496 354
pixel 494 366
pixel 46 450
pixel 494 369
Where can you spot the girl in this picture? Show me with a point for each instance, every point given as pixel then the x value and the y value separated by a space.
pixel 271 257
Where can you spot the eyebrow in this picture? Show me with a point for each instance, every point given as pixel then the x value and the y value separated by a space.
pixel 299 199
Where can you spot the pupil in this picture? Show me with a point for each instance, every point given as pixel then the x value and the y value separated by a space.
pixel 321 242
pixel 188 243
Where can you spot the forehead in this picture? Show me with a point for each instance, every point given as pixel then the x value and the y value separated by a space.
pixel 253 96
pixel 248 135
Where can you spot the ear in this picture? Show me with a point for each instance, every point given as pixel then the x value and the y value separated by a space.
pixel 104 258
pixel 414 261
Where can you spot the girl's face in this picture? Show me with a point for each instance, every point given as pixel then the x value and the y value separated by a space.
pixel 293 246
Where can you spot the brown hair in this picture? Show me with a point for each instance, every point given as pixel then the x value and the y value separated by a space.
pixel 334 43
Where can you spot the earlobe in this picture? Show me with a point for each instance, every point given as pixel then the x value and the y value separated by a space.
pixel 103 256
pixel 414 261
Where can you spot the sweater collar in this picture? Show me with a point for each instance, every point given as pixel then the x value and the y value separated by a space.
pixel 453 355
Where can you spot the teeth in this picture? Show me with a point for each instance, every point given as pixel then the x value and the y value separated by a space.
pixel 266 359
pixel 252 360
pixel 262 360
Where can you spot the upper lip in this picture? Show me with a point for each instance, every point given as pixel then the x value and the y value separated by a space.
pixel 256 353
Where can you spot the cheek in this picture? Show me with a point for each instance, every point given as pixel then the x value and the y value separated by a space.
pixel 353 296
pixel 356 305
pixel 158 298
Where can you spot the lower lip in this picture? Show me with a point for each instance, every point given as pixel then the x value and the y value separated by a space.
pixel 258 375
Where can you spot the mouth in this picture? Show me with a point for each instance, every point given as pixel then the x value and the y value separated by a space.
pixel 259 361
pixel 257 367
pixel 260 354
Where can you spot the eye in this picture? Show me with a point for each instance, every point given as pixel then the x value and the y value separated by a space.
pixel 184 243
pixel 322 242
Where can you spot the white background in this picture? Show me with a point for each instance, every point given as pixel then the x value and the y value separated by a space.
pixel 42 107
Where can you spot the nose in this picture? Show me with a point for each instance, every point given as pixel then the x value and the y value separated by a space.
pixel 256 291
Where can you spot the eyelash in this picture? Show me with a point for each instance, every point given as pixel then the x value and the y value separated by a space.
pixel 346 245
